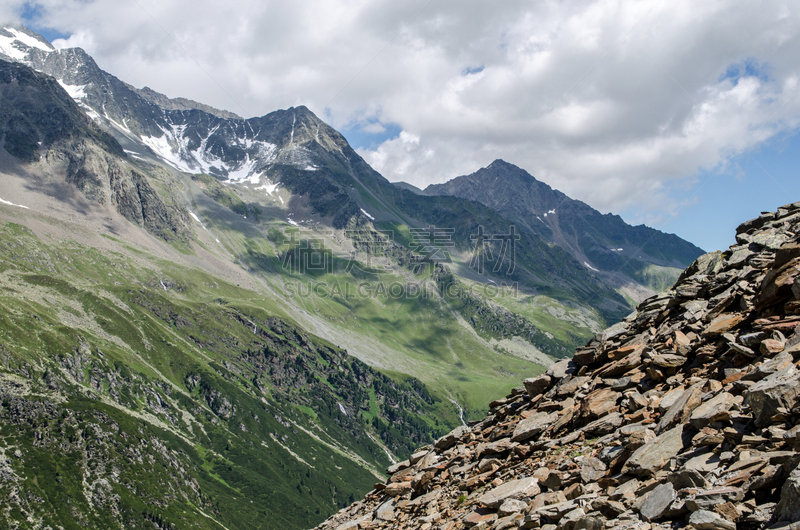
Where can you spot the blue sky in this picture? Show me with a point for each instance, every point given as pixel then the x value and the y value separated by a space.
pixel 750 183
pixel 361 136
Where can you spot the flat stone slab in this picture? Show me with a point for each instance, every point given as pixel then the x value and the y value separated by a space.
pixel 533 425
pixel 703 414
pixel 449 440
pixel 781 389
pixel 592 469
pixel 708 520
pixel 657 502
pixel 515 489
pixel 655 454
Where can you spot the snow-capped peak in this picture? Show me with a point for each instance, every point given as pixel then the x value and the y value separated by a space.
pixel 16 43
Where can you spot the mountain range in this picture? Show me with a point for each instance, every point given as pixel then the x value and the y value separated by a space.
pixel 215 321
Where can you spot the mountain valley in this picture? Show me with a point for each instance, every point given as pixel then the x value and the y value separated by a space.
pixel 217 322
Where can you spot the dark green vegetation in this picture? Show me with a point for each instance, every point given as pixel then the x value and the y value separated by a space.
pixel 497 322
pixel 140 397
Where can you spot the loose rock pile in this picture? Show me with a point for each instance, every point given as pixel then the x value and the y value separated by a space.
pixel 686 413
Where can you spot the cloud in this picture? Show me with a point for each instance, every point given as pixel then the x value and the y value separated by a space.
pixel 616 103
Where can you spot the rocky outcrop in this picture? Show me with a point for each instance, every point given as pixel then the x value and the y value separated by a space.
pixel 686 413
pixel 39 122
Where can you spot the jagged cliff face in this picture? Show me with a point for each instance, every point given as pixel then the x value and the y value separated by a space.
pixel 40 125
pixel 688 412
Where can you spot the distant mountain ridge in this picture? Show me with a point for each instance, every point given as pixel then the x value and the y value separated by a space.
pixel 601 242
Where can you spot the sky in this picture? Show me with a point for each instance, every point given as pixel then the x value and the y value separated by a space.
pixel 682 115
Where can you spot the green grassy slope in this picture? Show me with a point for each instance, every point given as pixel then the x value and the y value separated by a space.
pixel 160 395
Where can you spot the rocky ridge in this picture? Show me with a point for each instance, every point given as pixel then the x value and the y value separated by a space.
pixel 619 252
pixel 686 414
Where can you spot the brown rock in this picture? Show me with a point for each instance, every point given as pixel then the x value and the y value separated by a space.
pixel 479 516
pixel 654 455
pixel 724 323
pixel 668 360
pixel 703 462
pixel 514 489
pixel 682 343
pixel 770 347
pixel 592 469
pixel 669 399
pixel 780 390
pixel 623 352
pixel 571 387
pixel 396 489
pixel 533 425
pixel 535 386
pixel 385 512
pixel 777 283
pixel 605 425
pixel 621 366
pixel 680 412
pixel 599 403
pixel 574 491
pixel 712 408
pixel 728 511
pixel 450 439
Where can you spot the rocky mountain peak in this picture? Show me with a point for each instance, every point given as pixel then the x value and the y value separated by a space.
pixel 687 412
pixel 17 42
pixel 638 259
pixel 183 104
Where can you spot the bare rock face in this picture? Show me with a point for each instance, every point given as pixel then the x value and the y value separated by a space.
pixel 788 508
pixel 780 390
pixel 687 414
pixel 654 455
pixel 516 489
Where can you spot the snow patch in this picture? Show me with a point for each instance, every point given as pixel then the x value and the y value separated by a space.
pixel 117 124
pixel 29 41
pixel 617 249
pixel 341 407
pixel 549 212
pixel 196 219
pixel 292 222
pixel 161 146
pixel 12 204
pixel 173 147
pixel 368 215
pixel 18 45
pixel 590 267
pixel 269 187
pixel 76 92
